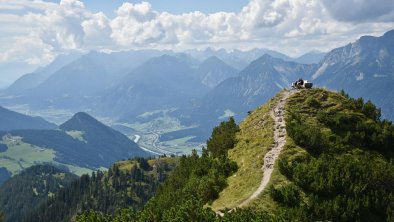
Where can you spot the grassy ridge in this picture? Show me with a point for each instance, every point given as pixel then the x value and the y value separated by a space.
pixel 253 140
pixel 338 160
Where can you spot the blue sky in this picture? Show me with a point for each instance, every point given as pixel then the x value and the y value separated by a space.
pixel 172 6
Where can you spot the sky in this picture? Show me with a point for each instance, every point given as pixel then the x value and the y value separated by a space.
pixel 34 32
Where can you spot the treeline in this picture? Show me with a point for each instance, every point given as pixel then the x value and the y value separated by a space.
pixel 197 181
pixel 347 173
pixel 118 188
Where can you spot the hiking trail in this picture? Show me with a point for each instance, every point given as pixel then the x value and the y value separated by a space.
pixel 277 114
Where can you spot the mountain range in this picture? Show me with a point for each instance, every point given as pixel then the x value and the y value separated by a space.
pixel 364 69
pixel 201 87
pixel 161 83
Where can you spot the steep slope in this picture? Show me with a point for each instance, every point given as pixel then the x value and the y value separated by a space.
pixel 127 184
pixel 334 166
pixel 213 71
pixel 103 140
pixel 364 68
pixel 313 57
pixel 9 70
pixel 34 185
pixel 161 83
pixel 31 80
pixel 10 120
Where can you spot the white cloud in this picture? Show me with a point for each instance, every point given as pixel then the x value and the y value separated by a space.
pixel 292 26
pixel 30 50
pixel 361 10
pixel 97 32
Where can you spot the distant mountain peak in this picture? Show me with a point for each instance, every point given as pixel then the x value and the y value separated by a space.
pixel 213 60
pixel 213 71
pixel 81 121
pixel 266 56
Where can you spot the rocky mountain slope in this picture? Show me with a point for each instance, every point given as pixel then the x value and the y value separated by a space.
pixel 213 71
pixel 364 68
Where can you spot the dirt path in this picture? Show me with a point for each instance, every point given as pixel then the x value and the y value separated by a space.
pixel 277 113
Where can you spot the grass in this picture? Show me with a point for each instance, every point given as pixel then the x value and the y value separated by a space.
pixel 163 112
pixel 253 142
pixel 78 135
pixel 126 165
pixel 163 124
pixel 264 201
pixel 296 103
pixel 256 136
pixel 179 146
pixel 168 160
pixel 20 155
pixel 79 171
pixel 291 151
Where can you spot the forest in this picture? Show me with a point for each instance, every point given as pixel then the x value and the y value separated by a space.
pixel 127 184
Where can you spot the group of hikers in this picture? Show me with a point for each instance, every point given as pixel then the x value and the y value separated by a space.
pixel 300 83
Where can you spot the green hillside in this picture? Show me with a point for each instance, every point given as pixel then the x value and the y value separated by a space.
pixel 331 159
pixel 81 144
pixel 127 184
pixel 337 163
pixel 34 185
